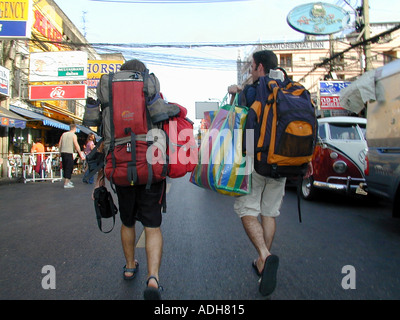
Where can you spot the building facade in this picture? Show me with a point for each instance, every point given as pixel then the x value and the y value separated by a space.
pixel 25 119
pixel 304 60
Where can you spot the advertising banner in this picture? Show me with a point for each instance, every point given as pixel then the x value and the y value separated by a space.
pixel 58 66
pixel 58 92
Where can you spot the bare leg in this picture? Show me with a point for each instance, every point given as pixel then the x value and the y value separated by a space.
pixel 128 239
pixel 269 226
pixel 255 233
pixel 154 246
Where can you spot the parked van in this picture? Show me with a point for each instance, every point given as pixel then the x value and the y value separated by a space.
pixel 382 170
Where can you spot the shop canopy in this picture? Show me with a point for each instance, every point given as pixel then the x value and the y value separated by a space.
pixel 48 121
pixel 11 119
pixel 37 116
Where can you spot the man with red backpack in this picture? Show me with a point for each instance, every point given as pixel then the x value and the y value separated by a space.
pixel 139 200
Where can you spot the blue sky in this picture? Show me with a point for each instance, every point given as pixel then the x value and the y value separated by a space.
pixel 226 22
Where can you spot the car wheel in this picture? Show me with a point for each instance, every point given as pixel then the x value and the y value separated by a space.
pixel 307 189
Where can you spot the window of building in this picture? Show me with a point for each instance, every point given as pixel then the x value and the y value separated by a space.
pixel 286 61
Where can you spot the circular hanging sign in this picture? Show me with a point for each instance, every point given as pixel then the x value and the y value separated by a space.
pixel 318 18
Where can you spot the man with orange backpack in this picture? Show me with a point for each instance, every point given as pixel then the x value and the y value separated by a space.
pixel 283 123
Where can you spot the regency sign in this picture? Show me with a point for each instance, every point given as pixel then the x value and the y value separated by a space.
pixel 15 19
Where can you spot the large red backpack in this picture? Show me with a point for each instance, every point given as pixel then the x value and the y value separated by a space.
pixel 132 158
pixel 145 138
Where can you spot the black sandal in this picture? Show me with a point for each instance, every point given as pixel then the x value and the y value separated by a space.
pixel 131 270
pixel 151 293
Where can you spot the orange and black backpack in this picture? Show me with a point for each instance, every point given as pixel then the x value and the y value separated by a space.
pixel 285 128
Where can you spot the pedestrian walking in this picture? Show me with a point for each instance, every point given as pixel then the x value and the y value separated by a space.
pixel 266 194
pixel 67 144
pixel 137 202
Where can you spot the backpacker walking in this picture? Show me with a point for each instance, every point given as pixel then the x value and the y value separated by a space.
pixel 139 185
pixel 267 191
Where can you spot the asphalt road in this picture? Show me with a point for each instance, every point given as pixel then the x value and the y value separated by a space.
pixel 207 255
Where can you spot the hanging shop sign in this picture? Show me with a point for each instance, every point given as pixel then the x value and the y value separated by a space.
pixel 96 68
pixel 4 81
pixel 318 18
pixel 58 66
pixel 15 19
pixel 58 92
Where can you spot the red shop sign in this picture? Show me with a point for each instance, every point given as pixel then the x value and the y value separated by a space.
pixel 330 102
pixel 58 92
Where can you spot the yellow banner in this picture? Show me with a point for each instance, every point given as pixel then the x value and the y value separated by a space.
pixel 96 68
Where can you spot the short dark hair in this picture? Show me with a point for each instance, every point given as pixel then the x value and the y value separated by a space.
pixel 267 58
pixel 134 65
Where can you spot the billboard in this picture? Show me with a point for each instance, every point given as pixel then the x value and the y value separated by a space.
pixel 15 19
pixel 58 66
pixel 58 92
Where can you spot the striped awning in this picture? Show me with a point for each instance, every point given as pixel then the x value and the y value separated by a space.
pixel 37 116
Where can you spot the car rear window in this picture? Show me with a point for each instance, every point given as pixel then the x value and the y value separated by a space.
pixel 344 131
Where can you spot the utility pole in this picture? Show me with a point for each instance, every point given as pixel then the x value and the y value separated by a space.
pixel 367 35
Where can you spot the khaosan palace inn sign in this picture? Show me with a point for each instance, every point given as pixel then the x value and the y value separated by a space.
pixel 318 18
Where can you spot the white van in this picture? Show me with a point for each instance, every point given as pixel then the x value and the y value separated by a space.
pixel 380 88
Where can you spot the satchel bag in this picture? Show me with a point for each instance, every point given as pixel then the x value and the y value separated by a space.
pixel 104 206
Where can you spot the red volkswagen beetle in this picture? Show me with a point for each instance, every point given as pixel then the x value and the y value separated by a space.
pixel 338 160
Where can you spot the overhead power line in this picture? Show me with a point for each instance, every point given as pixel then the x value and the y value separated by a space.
pixel 170 1
pixel 184 61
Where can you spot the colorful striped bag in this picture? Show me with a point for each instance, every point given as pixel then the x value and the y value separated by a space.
pixel 222 167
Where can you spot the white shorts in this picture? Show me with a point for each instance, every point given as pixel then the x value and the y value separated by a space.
pixel 265 198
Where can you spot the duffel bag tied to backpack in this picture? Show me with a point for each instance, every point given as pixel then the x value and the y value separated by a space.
pixel 285 128
pixel 182 149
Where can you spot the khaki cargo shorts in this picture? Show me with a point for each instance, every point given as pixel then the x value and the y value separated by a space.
pixel 265 198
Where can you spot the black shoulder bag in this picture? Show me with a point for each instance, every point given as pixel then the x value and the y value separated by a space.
pixel 104 206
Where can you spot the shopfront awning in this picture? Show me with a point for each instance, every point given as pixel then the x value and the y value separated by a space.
pixel 11 119
pixel 37 116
